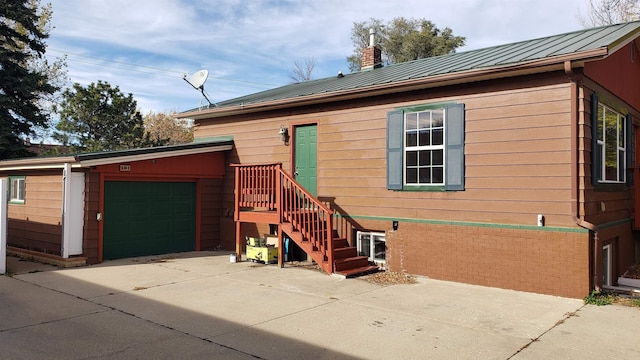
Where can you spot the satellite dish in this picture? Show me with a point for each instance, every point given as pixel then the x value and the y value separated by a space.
pixel 197 80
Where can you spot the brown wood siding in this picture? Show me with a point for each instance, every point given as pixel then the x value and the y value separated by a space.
pixel 518 163
pixel 509 143
pixel 37 224
pixel 611 208
pixel 517 149
pixel 211 213
pixel 623 64
pixel 187 166
pixel 91 231
pixel 604 204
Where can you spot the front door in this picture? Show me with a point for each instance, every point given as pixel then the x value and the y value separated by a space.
pixel 306 157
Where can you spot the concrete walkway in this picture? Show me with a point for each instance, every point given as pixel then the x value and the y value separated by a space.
pixel 199 305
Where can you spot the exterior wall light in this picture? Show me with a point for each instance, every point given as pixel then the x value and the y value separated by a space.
pixel 283 134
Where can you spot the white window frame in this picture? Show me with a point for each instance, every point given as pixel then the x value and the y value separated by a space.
pixel 17 191
pixel 620 145
pixel 371 251
pixel 422 116
pixel 607 268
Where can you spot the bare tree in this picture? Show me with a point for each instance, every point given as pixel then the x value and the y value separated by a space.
pixel 609 12
pixel 166 129
pixel 302 72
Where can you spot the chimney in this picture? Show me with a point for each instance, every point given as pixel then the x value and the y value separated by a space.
pixel 372 55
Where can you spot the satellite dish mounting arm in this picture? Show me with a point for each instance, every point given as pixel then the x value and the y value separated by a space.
pixel 197 82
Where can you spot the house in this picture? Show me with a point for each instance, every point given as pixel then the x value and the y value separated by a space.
pixel 511 166
pixel 76 209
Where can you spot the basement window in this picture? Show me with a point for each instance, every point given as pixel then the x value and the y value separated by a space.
pixel 372 245
pixel 16 189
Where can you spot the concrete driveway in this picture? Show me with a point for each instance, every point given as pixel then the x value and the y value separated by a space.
pixel 199 305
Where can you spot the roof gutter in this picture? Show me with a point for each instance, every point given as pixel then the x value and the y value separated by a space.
pixel 538 66
pixel 38 163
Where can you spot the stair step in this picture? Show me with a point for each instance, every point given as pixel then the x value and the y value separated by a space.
pixel 350 263
pixel 340 243
pixel 345 252
pixel 363 270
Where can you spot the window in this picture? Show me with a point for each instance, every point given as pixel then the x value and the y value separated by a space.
pixel 611 129
pixel 16 189
pixel 425 148
pixel 611 142
pixel 372 245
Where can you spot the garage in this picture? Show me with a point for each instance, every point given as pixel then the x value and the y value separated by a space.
pixel 148 218
pixel 86 208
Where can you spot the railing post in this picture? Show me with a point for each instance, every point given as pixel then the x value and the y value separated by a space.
pixel 279 202
pixel 236 214
pixel 330 241
pixel 236 194
pixel 279 205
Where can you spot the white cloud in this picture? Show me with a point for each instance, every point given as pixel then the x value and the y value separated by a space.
pixel 144 45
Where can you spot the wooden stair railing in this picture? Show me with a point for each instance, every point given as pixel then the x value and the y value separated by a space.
pixel 256 186
pixel 304 218
pixel 307 221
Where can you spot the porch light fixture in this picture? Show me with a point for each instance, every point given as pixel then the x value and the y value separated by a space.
pixel 283 134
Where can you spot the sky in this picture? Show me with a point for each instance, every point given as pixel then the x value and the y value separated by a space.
pixel 146 46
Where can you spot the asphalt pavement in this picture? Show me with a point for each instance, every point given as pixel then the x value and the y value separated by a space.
pixel 199 305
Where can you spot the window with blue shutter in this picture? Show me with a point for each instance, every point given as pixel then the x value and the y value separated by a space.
pixel 455 147
pixel 395 121
pixel 425 148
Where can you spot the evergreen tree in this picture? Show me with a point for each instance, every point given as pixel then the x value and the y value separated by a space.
pixel 100 118
pixel 21 87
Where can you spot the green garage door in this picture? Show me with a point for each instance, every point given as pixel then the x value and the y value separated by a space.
pixel 148 218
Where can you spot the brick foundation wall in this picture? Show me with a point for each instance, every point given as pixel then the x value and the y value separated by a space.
pixel 540 261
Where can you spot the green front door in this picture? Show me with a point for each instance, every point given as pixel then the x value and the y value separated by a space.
pixel 148 218
pixel 306 157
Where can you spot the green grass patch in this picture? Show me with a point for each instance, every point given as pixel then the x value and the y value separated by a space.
pixel 599 298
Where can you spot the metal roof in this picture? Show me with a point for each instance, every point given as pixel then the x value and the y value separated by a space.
pixel 578 45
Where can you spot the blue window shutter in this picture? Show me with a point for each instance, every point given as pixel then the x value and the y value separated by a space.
pixel 395 132
pixel 454 151
pixel 630 148
pixel 596 157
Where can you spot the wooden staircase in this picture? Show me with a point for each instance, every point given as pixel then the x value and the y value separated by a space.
pixel 265 193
